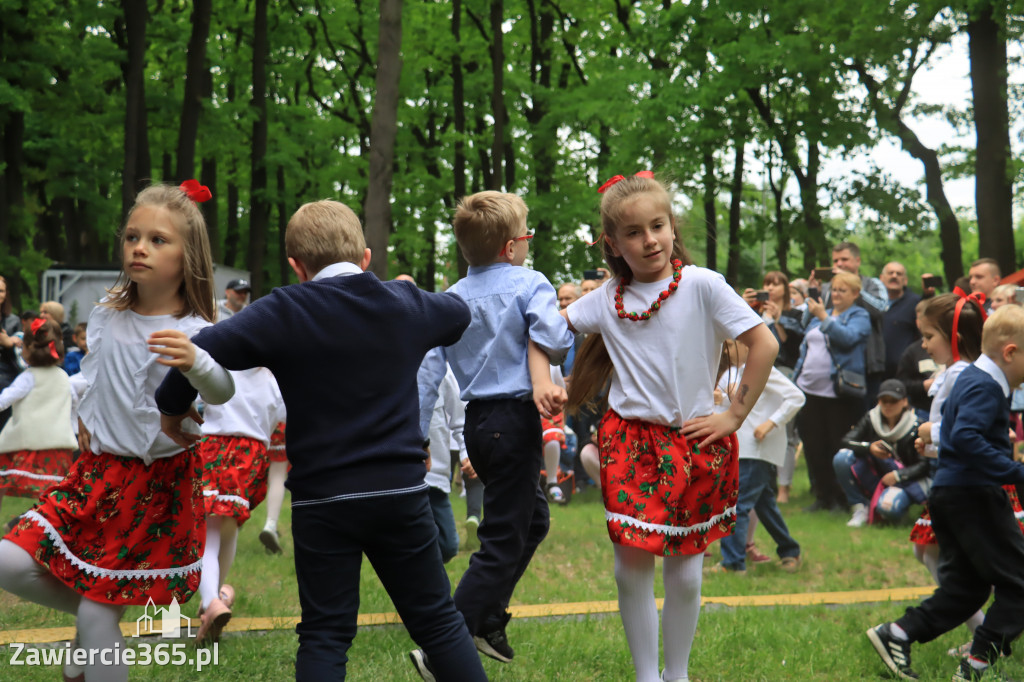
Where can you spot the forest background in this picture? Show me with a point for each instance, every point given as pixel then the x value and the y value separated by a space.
pixel 399 108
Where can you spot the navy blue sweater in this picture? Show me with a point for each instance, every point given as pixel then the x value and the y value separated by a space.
pixel 974 447
pixel 345 351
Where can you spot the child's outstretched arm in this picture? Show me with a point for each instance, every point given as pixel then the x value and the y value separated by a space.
pixel 763 349
pixel 548 396
pixel 176 349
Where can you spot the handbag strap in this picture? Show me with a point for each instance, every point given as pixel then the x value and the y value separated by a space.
pixel 831 355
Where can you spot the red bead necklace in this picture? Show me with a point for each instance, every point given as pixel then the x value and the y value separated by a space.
pixel 677 274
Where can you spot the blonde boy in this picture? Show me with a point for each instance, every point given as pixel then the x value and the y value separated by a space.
pixel 516 332
pixel 345 348
pixel 980 541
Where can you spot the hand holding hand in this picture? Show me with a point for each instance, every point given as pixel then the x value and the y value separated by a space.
pixel 549 398
pixel 467 470
pixel 175 349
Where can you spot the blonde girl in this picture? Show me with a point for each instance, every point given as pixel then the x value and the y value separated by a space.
pixel 668 465
pixel 126 525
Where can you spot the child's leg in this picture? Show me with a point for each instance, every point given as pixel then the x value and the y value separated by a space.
pixel 752 524
pixel 98 629
pixel 734 547
pixel 22 576
pixel 634 576
pixel 590 456
pixel 682 577
pixel 929 556
pixel 444 520
pixel 276 475
pixel 209 579
pixel 552 450
pixel 768 511
pixel 474 497
pixel 228 547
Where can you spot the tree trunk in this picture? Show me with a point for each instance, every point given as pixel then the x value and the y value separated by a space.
pixel 710 212
pixel 543 141
pixel 208 177
pixel 732 266
pixel 383 129
pixel 259 208
pixel 497 92
pixel 459 105
pixel 12 200
pixel 815 247
pixel 233 234
pixel 993 187
pixel 284 270
pixel 137 163
pixel 196 73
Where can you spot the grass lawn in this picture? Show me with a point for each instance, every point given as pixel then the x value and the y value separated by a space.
pixel 574 564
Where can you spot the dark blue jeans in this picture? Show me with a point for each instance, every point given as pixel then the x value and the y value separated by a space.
pixel 444 519
pixel 756 493
pixel 398 536
pixel 503 439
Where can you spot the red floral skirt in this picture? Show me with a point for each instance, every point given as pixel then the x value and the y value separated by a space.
pixel 662 493
pixel 27 473
pixel 119 532
pixel 234 475
pixel 922 533
pixel 553 429
pixel 276 451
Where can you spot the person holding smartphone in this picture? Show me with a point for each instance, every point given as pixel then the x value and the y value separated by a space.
pixel 899 322
pixel 878 467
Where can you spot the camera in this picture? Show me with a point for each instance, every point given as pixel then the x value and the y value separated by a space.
pixel 823 274
pixel 933 282
pixel 761 296
pixel 593 274
pixel 814 292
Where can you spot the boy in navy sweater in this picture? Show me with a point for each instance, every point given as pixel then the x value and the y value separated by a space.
pixel 502 364
pixel 980 542
pixel 345 348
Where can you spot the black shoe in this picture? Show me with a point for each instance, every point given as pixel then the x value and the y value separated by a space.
pixel 893 652
pixel 493 642
pixel 422 665
pixel 968 673
pixel 817 505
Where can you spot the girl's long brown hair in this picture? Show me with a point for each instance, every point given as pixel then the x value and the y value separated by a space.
pixel 778 277
pixel 593 366
pixel 940 312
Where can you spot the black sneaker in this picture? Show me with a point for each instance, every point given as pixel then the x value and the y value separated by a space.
pixel 494 643
pixel 893 652
pixel 422 665
pixel 968 673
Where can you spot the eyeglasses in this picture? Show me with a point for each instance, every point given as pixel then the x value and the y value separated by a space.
pixel 526 237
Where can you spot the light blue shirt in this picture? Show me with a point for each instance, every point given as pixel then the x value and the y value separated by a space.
pixel 510 305
pixel 335 269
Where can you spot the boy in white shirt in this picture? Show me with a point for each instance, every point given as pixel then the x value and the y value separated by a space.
pixel 762 448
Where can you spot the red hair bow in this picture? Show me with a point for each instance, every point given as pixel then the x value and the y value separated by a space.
pixel 35 326
pixel 619 178
pixel 977 297
pixel 196 192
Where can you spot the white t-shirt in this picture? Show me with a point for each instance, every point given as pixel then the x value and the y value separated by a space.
pixel 118 407
pixel 779 403
pixel 665 367
pixel 252 412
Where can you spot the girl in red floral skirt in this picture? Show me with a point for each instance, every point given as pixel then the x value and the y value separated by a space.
pixel 277 474
pixel 37 442
pixel 234 454
pixel 126 524
pixel 668 465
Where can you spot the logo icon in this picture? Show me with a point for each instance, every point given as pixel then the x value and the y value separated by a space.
pixel 170 621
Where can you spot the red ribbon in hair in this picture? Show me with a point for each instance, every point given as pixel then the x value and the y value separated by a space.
pixel 35 326
pixel 196 192
pixel 619 178
pixel 977 297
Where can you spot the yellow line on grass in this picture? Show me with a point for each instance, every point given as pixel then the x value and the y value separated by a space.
pixel 47 635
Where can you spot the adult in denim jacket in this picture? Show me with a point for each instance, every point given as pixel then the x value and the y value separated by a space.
pixel 834 336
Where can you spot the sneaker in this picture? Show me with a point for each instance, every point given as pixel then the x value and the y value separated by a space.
pixel 495 643
pixel 893 652
pixel 422 665
pixel 472 541
pixel 755 555
pixel 962 651
pixel 860 516
pixel 555 494
pixel 791 564
pixel 270 541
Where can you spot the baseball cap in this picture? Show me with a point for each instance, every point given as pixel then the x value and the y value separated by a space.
pixel 239 285
pixel 892 388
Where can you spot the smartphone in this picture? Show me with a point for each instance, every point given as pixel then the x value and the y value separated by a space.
pixel 933 282
pixel 761 296
pixel 593 274
pixel 814 292
pixel 888 448
pixel 823 274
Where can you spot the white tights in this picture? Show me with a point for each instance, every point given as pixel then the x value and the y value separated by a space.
pixel 98 624
pixel 591 458
pixel 634 575
pixel 219 554
pixel 552 449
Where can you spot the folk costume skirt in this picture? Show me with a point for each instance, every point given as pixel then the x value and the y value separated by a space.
pixel 553 429
pixel 922 533
pixel 234 475
pixel 27 473
pixel 276 451
pixel 119 532
pixel 662 493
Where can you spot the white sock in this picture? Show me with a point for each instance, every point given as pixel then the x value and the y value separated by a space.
pixel 898 632
pixel 551 451
pixel 977 663
pixel 591 458
pixel 974 621
pixel 209 579
pixel 276 475
pixel 99 628
pixel 634 576
pixel 682 576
